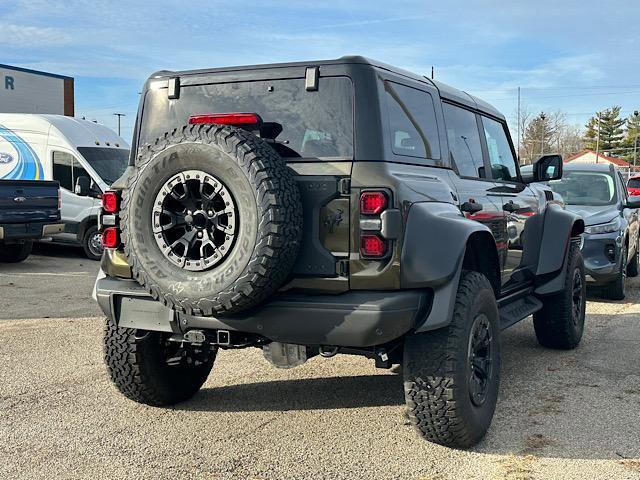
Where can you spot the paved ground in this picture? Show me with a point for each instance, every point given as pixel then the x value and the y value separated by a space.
pixel 55 281
pixel 560 414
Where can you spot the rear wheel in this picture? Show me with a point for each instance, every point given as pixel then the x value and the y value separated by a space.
pixel 92 243
pixel 560 322
pixel 452 375
pixel 148 368
pixel 15 252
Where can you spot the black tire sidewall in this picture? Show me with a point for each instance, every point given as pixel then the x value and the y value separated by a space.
pixel 92 230
pixel 171 161
pixel 480 416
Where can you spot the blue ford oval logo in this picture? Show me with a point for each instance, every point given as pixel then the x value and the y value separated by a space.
pixel 5 158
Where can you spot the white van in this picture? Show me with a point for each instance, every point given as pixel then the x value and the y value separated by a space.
pixel 83 156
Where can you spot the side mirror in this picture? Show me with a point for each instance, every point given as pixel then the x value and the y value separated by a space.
pixel 547 167
pixel 83 186
pixel 633 202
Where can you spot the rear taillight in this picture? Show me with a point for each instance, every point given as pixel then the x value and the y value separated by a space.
pixel 243 119
pixel 372 204
pixel 372 246
pixel 110 237
pixel 110 202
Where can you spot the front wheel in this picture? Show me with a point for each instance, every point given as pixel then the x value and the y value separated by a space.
pixel 148 368
pixel 634 264
pixel 92 243
pixel 452 375
pixel 15 252
pixel 560 322
pixel 616 290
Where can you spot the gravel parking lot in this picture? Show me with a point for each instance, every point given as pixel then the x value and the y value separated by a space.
pixel 560 414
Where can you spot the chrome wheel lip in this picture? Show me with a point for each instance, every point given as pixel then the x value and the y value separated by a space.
pixel 200 235
pixel 480 361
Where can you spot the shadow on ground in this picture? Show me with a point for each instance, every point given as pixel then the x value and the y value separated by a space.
pixel 301 394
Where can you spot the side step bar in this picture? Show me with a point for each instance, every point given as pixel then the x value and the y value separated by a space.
pixel 520 309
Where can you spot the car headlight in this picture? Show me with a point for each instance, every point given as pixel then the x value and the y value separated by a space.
pixel 609 227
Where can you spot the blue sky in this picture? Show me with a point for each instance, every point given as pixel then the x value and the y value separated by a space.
pixel 575 56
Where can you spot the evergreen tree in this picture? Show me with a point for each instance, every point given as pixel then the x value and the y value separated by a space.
pixel 538 138
pixel 611 128
pixel 633 139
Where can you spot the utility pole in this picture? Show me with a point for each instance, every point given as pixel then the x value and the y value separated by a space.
pixel 119 115
pixel 598 140
pixel 635 142
pixel 543 117
pixel 519 123
pixel 432 72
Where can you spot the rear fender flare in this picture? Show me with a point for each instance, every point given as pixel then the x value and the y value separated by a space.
pixel 433 253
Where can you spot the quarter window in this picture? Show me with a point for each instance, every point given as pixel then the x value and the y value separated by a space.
pixel 503 163
pixel 464 141
pixel 412 122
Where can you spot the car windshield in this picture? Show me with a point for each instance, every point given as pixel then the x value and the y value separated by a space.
pixel 108 163
pixel 585 188
pixel 314 124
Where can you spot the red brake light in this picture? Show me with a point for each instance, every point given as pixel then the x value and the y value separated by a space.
pixel 110 237
pixel 373 203
pixel 110 202
pixel 226 119
pixel 372 246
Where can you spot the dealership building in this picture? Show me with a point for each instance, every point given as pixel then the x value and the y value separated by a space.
pixel 30 91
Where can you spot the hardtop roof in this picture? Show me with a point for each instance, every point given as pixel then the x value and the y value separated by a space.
pixel 446 91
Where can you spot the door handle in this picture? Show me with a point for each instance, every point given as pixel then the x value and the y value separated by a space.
pixel 470 207
pixel 511 206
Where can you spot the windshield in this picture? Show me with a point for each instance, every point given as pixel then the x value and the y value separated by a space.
pixel 315 124
pixel 585 188
pixel 108 163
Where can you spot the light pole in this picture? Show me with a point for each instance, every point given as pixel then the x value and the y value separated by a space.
pixel 543 117
pixel 119 115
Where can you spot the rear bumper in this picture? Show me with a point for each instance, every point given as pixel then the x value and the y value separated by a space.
pixel 28 231
pixel 352 319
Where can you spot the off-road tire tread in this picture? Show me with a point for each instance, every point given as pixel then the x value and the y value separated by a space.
pixel 279 229
pixel 431 391
pixel 632 268
pixel 553 323
pixel 137 376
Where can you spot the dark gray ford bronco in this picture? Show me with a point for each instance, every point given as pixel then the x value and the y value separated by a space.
pixel 343 206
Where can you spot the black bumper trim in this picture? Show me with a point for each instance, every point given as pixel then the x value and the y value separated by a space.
pixel 352 319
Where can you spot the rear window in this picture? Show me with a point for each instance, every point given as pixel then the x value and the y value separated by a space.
pixel 315 124
pixel 634 183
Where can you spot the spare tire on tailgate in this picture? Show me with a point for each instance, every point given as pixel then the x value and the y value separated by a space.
pixel 211 220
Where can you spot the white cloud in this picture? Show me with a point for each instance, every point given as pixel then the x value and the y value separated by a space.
pixel 23 36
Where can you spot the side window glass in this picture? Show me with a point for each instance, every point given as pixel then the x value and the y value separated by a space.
pixel 62 165
pixel 464 141
pixel 624 193
pixel 78 171
pixel 412 121
pixel 503 163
